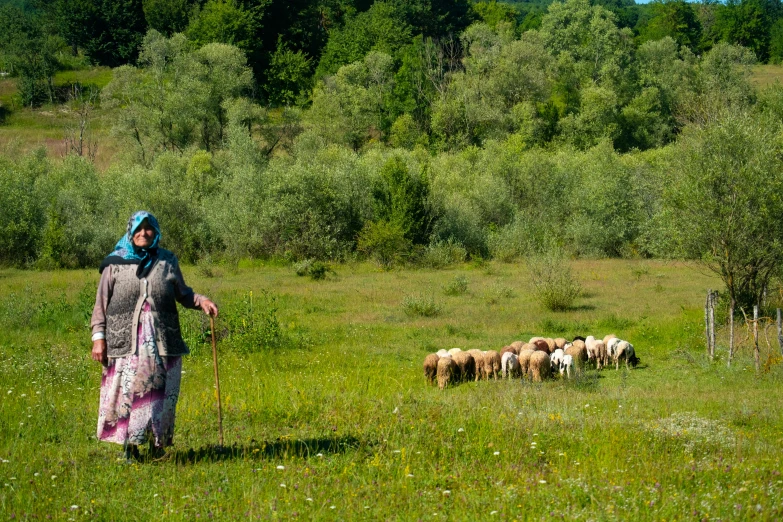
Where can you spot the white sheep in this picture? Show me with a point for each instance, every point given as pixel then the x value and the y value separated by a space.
pixel 556 357
pixel 567 365
pixel 509 364
pixel 443 353
pixel 452 351
pixel 624 350
pixel 611 347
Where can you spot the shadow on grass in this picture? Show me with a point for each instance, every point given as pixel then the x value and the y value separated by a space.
pixel 279 448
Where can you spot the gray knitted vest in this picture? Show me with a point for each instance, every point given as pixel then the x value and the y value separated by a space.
pixel 127 299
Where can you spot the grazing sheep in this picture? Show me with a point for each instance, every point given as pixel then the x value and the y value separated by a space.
pixel 556 357
pixel 600 353
pixel 579 343
pixel 624 350
pixel 567 365
pixel 560 343
pixel 452 351
pixel 579 354
pixel 509 364
pixel 608 337
pixel 517 345
pixel 492 364
pixel 478 357
pixel 579 338
pixel 507 349
pixel 591 352
pixel 534 339
pixel 524 361
pixel 448 372
pixel 466 364
pixel 541 345
pixel 526 346
pixel 551 344
pixel 611 348
pixel 443 353
pixel 431 367
pixel 540 366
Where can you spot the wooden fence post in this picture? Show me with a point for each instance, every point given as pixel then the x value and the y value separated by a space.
pixel 780 332
pixel 707 320
pixel 731 331
pixel 756 336
pixel 713 298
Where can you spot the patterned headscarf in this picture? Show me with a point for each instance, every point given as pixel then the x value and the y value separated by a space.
pixel 125 252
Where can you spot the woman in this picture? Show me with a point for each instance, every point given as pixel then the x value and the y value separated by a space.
pixel 136 336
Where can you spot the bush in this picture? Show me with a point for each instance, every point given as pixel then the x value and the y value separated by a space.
pixel 554 286
pixel 384 242
pixel 313 268
pixel 457 286
pixel 421 306
pixel 251 322
pixel 441 254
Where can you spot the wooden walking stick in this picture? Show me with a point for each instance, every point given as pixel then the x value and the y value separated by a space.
pixel 217 379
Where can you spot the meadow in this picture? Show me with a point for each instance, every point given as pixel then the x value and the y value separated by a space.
pixel 335 421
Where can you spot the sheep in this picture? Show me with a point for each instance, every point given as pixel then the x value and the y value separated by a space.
pixel 526 346
pixel 551 344
pixel 492 364
pixel 509 364
pixel 579 343
pixel 431 367
pixel 567 365
pixel 466 364
pixel 534 339
pixel 541 345
pixel 443 353
pixel 578 352
pixel 611 347
pixel 447 372
pixel 517 345
pixel 452 351
pixel 540 366
pixel 507 349
pixel 560 343
pixel 608 337
pixel 556 357
pixel 524 361
pixel 624 350
pixel 478 357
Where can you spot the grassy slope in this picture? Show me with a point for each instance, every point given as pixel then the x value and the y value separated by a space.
pixel 677 438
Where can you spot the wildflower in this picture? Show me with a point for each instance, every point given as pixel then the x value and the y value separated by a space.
pixel 280 467
pixel 308 499
pixel 542 481
pixel 332 507
pixel 446 492
pixel 496 453
pixel 410 475
pixel 74 507
pixel 320 455
pixel 282 485
pixel 493 512
pixel 460 430
pixel 54 477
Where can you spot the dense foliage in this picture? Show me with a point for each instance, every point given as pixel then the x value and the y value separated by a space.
pixel 420 132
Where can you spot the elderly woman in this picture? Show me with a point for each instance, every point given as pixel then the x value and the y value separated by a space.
pixel 136 336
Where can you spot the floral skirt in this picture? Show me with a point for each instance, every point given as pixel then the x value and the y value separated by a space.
pixel 139 393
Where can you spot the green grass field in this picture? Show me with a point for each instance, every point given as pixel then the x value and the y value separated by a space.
pixel 338 422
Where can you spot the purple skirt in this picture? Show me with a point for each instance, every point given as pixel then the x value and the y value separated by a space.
pixel 139 393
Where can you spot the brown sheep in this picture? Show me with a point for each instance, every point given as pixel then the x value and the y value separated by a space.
pixel 431 367
pixel 448 372
pixel 540 366
pixel 534 339
pixel 540 345
pixel 579 343
pixel 466 364
pixel 508 348
pixel 526 346
pixel 478 357
pixel 608 337
pixel 560 343
pixel 517 345
pixel 524 361
pixel 491 364
pixel 601 357
pixel 551 344
pixel 578 353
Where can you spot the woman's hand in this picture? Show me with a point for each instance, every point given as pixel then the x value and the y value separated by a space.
pixel 99 352
pixel 209 307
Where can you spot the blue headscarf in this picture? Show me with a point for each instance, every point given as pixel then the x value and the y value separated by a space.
pixel 125 252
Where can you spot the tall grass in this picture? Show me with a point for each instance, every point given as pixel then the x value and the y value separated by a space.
pixel 345 428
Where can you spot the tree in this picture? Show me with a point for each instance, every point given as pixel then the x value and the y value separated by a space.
pixel 747 23
pixel 676 19
pixel 224 21
pixel 724 204
pixel 167 16
pixel 402 200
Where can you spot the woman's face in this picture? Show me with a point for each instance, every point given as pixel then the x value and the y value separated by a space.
pixel 144 235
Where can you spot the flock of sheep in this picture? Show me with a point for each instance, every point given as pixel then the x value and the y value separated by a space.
pixel 538 359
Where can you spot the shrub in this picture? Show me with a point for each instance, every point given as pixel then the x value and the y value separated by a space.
pixel 457 286
pixel 421 305
pixel 554 286
pixel 384 242
pixel 441 254
pixel 251 322
pixel 317 270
